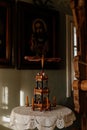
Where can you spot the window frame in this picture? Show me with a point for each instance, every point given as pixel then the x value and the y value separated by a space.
pixel 69 54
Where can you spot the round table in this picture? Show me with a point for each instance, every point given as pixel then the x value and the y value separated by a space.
pixel 23 118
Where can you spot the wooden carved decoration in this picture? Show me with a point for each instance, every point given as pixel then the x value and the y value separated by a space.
pixel 79 16
pixel 79 11
pixel 84 85
pixel 76 95
pixel 76 66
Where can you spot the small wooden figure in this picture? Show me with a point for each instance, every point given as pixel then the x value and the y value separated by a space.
pixel 54 101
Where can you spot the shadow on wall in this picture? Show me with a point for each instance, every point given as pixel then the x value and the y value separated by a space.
pixel 4 128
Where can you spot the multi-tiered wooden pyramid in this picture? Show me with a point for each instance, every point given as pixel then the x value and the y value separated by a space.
pixel 40 101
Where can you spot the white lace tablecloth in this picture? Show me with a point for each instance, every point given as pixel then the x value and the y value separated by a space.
pixel 23 118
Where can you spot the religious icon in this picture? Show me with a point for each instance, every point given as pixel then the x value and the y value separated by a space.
pixel 39 39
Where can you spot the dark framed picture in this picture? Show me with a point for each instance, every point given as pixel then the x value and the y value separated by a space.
pixel 5 35
pixel 37 36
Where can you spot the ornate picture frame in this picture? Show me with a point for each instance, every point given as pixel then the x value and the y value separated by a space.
pixel 37 35
pixel 5 35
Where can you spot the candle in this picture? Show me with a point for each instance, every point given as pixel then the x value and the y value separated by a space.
pixel 33 103
pixel 27 101
pixel 42 61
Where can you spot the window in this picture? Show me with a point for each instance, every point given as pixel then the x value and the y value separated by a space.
pixel 74 42
pixel 71 51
